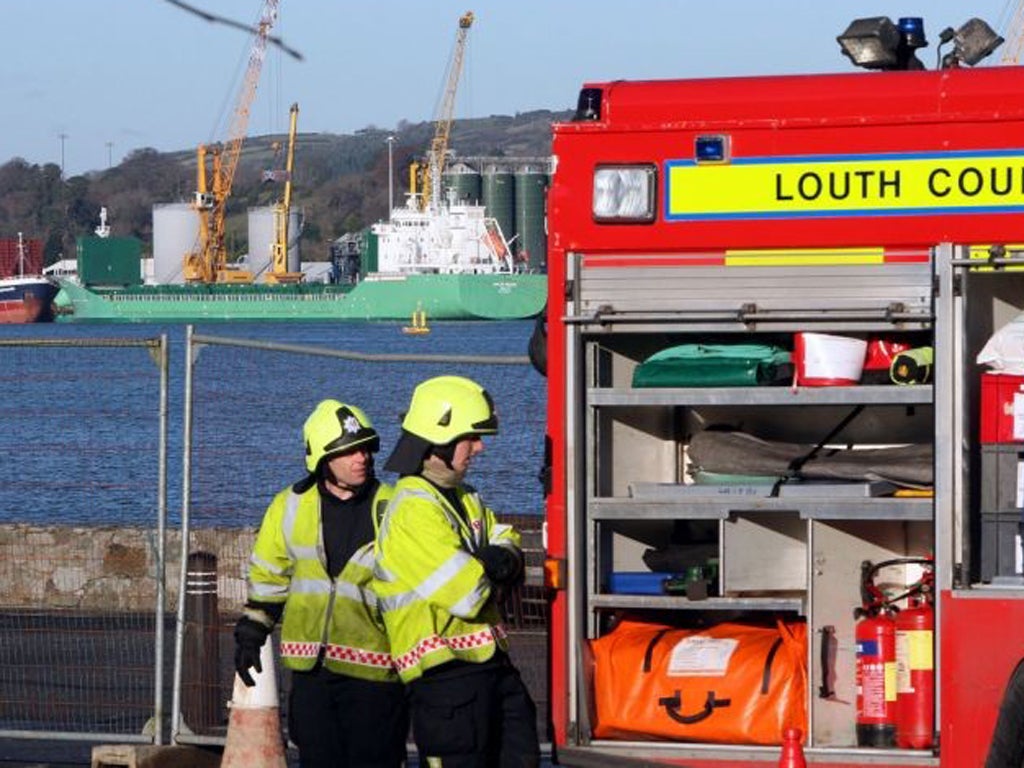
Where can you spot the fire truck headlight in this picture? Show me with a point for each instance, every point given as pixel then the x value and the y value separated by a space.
pixel 624 193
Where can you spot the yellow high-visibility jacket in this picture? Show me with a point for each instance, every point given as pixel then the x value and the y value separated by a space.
pixel 435 599
pixel 289 566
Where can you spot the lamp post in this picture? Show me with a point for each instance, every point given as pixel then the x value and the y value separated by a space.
pixel 391 177
pixel 62 136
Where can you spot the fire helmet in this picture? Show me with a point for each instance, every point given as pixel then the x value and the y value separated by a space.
pixel 445 408
pixel 334 427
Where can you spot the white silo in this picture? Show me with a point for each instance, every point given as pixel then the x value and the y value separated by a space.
pixel 175 233
pixel 261 240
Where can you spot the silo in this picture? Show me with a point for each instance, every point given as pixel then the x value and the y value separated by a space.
pixel 499 199
pixel 261 241
pixel 175 233
pixel 464 181
pixel 531 246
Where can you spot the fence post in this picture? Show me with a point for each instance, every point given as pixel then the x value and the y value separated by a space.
pixel 201 705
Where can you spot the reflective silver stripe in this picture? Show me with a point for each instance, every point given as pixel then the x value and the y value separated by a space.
pixel 448 570
pixel 499 532
pixel 263 589
pixel 382 574
pixel 396 500
pixel 466 607
pixel 394 602
pixel 288 520
pixel 302 552
pixel 351 591
pixel 363 557
pixel 310 586
pixel 259 562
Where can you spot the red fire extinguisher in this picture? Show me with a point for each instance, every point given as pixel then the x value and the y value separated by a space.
pixel 915 667
pixel 875 635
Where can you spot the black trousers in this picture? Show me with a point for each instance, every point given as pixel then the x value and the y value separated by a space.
pixel 343 722
pixel 475 716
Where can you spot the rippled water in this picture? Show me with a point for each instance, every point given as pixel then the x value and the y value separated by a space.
pixel 79 428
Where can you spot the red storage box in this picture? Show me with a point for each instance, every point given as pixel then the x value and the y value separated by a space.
pixel 998 393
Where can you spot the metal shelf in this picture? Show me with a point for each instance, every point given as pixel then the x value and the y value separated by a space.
pixel 718 508
pixel 868 395
pixel 671 602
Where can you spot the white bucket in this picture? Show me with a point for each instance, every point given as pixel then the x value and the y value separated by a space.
pixel 823 360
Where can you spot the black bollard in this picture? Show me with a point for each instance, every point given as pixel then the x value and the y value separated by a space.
pixel 201 695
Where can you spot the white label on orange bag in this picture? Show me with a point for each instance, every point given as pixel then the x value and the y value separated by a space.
pixel 701 656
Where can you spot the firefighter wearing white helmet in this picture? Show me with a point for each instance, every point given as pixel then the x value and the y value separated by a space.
pixel 442 562
pixel 310 569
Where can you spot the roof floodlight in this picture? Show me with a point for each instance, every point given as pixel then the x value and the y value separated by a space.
pixel 974 41
pixel 871 43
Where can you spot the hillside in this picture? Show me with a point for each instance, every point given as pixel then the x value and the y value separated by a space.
pixel 340 182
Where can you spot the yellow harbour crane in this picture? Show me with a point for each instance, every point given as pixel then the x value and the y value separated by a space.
pixel 429 177
pixel 216 166
pixel 282 212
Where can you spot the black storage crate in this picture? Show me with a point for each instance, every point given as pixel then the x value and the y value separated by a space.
pixel 1002 519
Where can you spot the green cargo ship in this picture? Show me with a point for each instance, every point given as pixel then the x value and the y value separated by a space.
pixel 449 261
pixel 494 296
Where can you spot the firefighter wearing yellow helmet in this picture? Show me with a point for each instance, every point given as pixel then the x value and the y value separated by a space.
pixel 442 562
pixel 310 570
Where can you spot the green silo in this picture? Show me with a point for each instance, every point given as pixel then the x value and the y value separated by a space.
pixel 531 246
pixel 499 199
pixel 464 181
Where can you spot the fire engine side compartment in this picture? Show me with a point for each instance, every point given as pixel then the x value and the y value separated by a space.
pixel 766 118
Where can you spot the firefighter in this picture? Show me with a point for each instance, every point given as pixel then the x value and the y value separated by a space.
pixel 442 561
pixel 311 568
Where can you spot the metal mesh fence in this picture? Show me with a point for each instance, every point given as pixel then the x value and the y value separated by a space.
pixel 90 511
pixel 246 446
pixel 82 445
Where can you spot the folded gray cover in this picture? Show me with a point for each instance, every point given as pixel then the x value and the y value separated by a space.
pixel 743 454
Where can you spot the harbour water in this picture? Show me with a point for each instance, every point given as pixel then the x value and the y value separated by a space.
pixel 85 419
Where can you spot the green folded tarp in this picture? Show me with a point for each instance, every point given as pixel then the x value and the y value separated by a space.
pixel 715 365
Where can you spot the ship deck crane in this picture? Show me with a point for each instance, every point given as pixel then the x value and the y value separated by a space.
pixel 215 175
pixel 431 183
pixel 282 213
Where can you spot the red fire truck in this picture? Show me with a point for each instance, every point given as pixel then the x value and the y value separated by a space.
pixel 818 228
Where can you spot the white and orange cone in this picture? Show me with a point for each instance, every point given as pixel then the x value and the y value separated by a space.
pixel 254 737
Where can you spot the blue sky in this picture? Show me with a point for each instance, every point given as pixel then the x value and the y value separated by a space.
pixel 113 76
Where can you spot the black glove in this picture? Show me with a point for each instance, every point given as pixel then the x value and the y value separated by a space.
pixel 501 564
pixel 249 638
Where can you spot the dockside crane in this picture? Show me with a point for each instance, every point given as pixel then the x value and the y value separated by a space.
pixel 282 213
pixel 430 184
pixel 215 173
pixel 1014 35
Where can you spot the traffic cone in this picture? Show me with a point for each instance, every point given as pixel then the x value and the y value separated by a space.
pixel 254 737
pixel 792 751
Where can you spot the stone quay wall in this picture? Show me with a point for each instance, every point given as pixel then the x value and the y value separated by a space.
pixel 111 569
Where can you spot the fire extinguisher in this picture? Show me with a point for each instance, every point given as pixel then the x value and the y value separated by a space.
pixel 915 667
pixel 875 635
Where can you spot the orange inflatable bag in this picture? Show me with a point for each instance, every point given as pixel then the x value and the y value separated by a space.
pixel 730 683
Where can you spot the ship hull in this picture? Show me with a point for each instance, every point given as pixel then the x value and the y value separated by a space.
pixel 26 300
pixel 378 297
